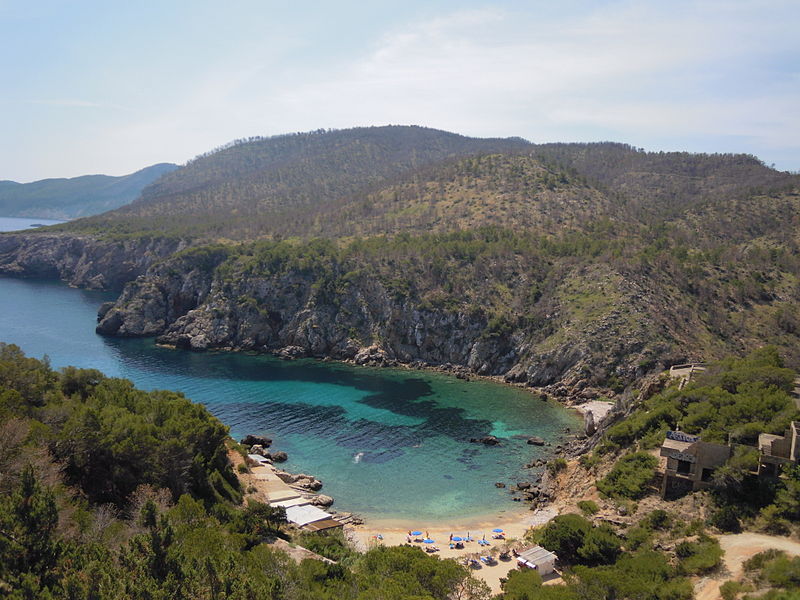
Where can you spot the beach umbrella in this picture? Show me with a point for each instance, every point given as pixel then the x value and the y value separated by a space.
pixel 427 541
pixel 457 539
pixel 416 533
pixel 498 530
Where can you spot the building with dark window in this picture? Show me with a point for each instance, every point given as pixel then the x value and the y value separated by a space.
pixel 690 463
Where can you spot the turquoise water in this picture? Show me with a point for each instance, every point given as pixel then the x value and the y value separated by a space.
pixel 386 443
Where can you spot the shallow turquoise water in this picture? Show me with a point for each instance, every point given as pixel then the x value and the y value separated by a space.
pixel 388 443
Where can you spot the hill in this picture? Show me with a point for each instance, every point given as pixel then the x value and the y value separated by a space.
pixel 575 266
pixel 77 196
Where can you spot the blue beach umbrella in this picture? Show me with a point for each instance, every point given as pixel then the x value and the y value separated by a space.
pixel 498 530
pixel 457 539
pixel 416 533
pixel 427 541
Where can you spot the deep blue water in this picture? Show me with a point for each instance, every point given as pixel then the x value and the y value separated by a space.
pixel 388 443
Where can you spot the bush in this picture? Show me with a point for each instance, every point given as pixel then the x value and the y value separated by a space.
pixel 657 519
pixel 726 519
pixel 575 541
pixel 556 465
pixel 730 589
pixel 588 507
pixel 699 557
pixel 630 476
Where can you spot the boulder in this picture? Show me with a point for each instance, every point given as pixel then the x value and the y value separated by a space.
pixel 322 500
pixel 286 477
pixel 488 440
pixel 589 426
pixel 291 352
pixel 257 449
pixel 536 441
pixel 252 440
pixel 280 456
pixel 523 485
pixel 499 484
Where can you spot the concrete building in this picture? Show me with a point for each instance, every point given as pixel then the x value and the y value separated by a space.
pixel 543 561
pixel 690 463
pixel 776 450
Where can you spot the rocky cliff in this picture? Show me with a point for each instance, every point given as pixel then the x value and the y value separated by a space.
pixel 82 261
pixel 607 334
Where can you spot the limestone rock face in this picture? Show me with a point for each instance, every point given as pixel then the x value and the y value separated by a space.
pixel 185 300
pixel 82 261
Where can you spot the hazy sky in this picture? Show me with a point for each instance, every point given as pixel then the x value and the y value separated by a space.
pixel 110 86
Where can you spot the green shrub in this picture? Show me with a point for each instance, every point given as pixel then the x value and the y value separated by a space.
pixel 588 507
pixel 757 561
pixel 657 519
pixel 556 465
pixel 699 557
pixel 576 541
pixel 242 468
pixel 630 476
pixel 726 519
pixel 730 589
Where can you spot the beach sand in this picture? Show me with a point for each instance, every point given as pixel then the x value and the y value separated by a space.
pixel 514 525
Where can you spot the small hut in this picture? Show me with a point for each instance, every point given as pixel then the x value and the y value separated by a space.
pixel 543 561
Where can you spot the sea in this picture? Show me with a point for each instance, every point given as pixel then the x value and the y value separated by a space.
pixel 390 444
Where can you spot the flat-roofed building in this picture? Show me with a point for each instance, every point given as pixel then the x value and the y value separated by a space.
pixel 690 463
pixel 776 450
pixel 538 558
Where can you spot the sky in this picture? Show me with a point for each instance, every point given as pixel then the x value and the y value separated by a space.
pixel 111 87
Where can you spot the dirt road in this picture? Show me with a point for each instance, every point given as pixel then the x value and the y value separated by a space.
pixel 738 548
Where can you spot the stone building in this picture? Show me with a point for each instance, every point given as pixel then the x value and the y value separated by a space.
pixel 690 463
pixel 776 450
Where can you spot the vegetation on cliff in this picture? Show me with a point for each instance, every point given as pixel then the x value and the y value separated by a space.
pixel 585 263
pixel 108 492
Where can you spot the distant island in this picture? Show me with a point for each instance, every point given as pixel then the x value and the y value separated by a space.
pixel 66 199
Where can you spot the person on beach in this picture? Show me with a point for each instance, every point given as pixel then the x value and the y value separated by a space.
pixel 451 537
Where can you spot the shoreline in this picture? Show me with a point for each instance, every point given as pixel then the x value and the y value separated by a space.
pixel 570 402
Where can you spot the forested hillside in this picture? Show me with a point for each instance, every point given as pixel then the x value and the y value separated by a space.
pixel 76 197
pixel 110 493
pixel 572 265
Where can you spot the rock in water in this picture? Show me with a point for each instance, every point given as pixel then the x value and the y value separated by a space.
pixel 322 500
pixel 589 425
pixel 252 440
pixel 280 456
pixel 536 441
pixel 489 440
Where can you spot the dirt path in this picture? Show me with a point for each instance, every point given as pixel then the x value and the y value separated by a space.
pixel 738 548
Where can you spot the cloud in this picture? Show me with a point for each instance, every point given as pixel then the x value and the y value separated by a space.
pixel 631 70
pixel 705 75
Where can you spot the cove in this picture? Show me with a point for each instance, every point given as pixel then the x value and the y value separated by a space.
pixel 387 443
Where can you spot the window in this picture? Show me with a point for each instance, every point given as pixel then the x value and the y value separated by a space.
pixel 684 467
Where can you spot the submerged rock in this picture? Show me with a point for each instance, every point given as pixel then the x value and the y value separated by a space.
pixel 488 440
pixel 536 441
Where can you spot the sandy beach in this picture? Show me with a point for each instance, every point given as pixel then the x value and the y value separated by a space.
pixel 513 524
